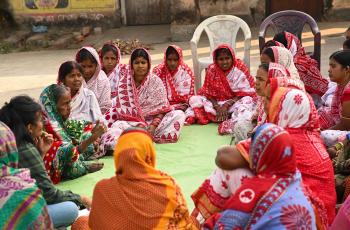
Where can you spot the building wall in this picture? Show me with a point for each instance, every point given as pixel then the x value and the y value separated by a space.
pixel 60 10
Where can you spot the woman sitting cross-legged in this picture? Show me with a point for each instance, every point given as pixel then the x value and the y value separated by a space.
pixel 228 85
pixel 274 197
pixel 75 143
pixel 142 101
pixel 139 196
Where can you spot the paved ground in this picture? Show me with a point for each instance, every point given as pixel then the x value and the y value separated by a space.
pixel 29 72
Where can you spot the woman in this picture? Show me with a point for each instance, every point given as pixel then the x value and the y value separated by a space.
pixel 335 121
pixel 272 75
pixel 294 110
pixel 84 105
pixel 315 84
pixel 273 198
pixel 267 73
pixel 142 101
pixel 281 56
pixel 75 141
pixel 23 115
pixel 139 196
pixel 21 203
pixel 95 79
pixel 228 85
pixel 177 77
pixel 110 57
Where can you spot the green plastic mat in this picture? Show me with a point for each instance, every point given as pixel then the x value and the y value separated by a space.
pixel 189 161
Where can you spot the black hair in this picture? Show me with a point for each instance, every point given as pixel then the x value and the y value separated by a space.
pixel 265 66
pixel 17 114
pixel 348 29
pixel 84 54
pixel 269 44
pixel 269 53
pixel 280 37
pixel 140 53
pixel 347 44
pixel 66 68
pixel 342 57
pixel 171 50
pixel 220 51
pixel 58 90
pixel 109 47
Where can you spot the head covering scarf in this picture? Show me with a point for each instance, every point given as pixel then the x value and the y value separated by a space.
pixel 267 196
pixel 224 85
pixel 21 203
pixel 293 108
pixel 284 57
pixel 307 66
pixel 179 83
pixel 139 196
pixel 119 69
pixel 99 83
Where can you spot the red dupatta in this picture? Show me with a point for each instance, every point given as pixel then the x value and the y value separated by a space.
pixel 224 85
pixel 179 83
pixel 307 66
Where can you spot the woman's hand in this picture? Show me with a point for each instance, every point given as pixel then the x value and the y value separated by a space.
pixel 98 130
pixel 151 129
pixel 87 201
pixel 44 143
pixel 221 114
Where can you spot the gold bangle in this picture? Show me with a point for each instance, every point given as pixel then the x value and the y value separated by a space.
pixel 339 146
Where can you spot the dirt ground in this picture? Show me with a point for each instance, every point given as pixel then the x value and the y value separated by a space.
pixel 29 72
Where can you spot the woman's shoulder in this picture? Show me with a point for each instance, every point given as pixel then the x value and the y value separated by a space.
pixel 27 147
pixel 88 92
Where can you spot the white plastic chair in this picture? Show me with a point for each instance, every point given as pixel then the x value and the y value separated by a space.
pixel 220 29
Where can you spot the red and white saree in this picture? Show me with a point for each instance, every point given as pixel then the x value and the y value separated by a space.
pixel 236 83
pixel 179 83
pixel 330 116
pixel 138 106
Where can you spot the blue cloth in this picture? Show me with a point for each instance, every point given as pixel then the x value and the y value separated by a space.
pixel 63 214
pixel 291 211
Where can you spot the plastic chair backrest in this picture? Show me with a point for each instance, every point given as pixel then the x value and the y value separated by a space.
pixel 292 21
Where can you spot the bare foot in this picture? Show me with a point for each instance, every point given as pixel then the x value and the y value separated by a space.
pixel 95 166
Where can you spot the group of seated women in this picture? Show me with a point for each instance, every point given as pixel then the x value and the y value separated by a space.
pixel 277 175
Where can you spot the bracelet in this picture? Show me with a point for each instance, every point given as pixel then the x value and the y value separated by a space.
pixel 339 146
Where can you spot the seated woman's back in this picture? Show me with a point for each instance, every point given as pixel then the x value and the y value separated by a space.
pixel 139 196
pixel 274 197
